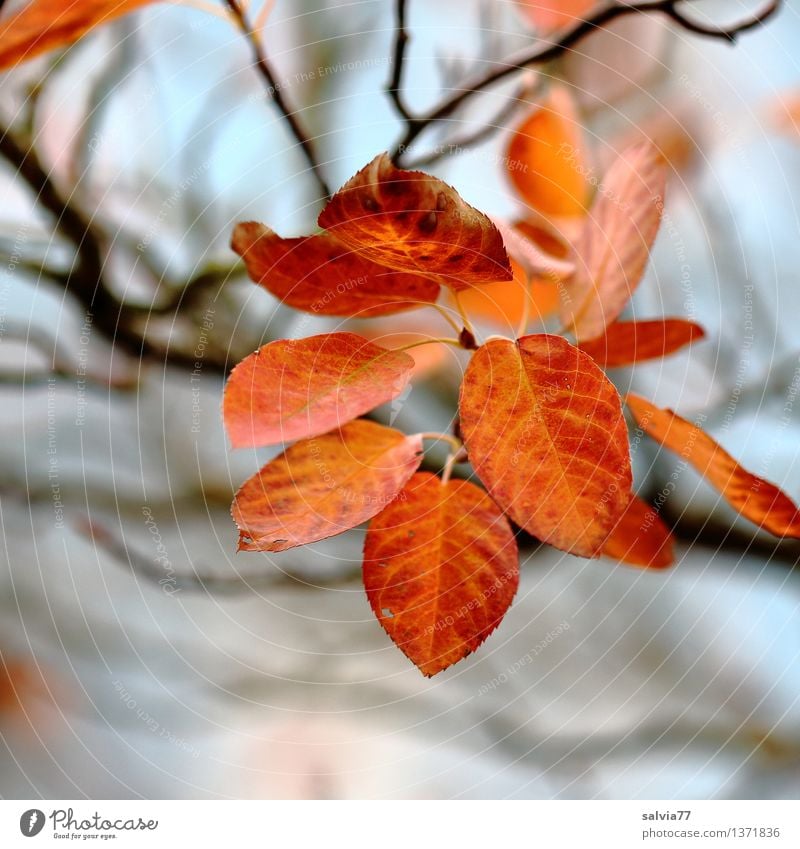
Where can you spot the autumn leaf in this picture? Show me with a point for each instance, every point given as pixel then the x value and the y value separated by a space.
pixel 321 275
pixel 784 113
pixel 627 342
pixel 613 249
pixel 544 430
pixel 640 538
pixel 291 389
pixel 413 222
pixel 325 485
pixel 551 15
pixel 43 25
pixel 547 161
pixel 756 499
pixel 503 302
pixel 440 570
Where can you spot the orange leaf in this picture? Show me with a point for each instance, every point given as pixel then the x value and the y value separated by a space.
pixel 320 275
pixel 629 342
pixel 43 25
pixel 410 221
pixel 503 302
pixel 784 113
pixel 547 162
pixel 550 15
pixel 614 247
pixel 440 570
pixel 324 485
pixel 756 499
pixel 544 429
pixel 640 538
pixel 292 389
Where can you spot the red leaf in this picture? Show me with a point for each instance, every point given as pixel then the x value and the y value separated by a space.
pixel 440 570
pixel 613 249
pixel 291 389
pixel 324 485
pixel 756 499
pixel 544 429
pixel 43 25
pixel 320 275
pixel 629 342
pixel 411 221
pixel 640 538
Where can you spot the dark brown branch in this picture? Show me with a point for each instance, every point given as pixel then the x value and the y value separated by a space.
pixel 466 142
pixel 274 90
pixel 85 279
pixel 415 125
pixel 394 88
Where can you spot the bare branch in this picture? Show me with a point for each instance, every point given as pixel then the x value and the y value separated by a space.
pixel 415 125
pixel 466 142
pixel 394 87
pixel 274 90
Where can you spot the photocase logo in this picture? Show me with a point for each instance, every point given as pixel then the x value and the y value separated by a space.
pixel 31 822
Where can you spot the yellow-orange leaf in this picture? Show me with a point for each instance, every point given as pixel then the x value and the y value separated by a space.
pixel 440 570
pixel 44 25
pixel 551 15
pixel 503 302
pixel 629 342
pixel 547 161
pixel 544 429
pixel 756 499
pixel 292 389
pixel 324 485
pixel 613 249
pixel 320 275
pixel 640 538
pixel 410 221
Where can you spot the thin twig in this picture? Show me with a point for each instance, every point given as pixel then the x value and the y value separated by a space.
pixel 394 87
pixel 417 124
pixel 468 141
pixel 274 90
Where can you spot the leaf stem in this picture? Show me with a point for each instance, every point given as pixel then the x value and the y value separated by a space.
pixel 444 340
pixel 454 441
pixel 463 313
pixel 526 307
pixel 444 314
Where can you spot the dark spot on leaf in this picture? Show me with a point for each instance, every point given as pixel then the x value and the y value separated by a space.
pixel 370 204
pixel 441 202
pixel 428 222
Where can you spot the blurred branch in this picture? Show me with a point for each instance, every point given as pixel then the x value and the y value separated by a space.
pixel 415 125
pixel 155 572
pixel 85 279
pixel 274 90
pixel 394 87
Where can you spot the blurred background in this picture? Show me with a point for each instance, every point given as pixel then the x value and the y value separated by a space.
pixel 142 657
